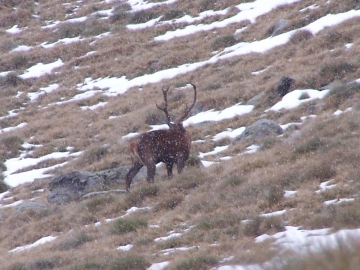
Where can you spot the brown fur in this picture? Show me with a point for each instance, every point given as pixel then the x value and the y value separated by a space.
pixel 170 146
pixel 133 151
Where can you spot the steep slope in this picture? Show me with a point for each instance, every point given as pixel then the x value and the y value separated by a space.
pixel 78 79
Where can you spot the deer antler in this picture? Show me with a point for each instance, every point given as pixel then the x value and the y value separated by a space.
pixel 168 118
pixel 188 109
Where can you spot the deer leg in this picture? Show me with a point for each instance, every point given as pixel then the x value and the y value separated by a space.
pixel 131 174
pixel 169 167
pixel 151 168
pixel 180 164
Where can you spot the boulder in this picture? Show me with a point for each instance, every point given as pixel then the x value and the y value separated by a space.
pixel 74 185
pixel 260 129
pixel 256 99
pixel 28 205
pixel 278 27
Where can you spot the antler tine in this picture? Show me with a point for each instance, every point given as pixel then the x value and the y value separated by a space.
pixel 168 118
pixel 188 109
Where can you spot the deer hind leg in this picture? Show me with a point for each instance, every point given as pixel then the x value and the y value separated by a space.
pixel 131 174
pixel 151 168
pixel 180 165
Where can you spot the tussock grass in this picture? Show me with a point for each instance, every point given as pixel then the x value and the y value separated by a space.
pixel 126 225
pixel 39 263
pixel 10 146
pixel 99 203
pixel 261 225
pixel 139 194
pixel 75 241
pixel 197 261
pixel 130 261
pixel 336 216
pixel 223 42
pixel 169 202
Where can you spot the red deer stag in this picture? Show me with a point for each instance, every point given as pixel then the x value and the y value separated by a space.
pixel 169 146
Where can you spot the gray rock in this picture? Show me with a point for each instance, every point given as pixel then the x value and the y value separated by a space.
pixel 256 100
pixel 73 186
pixel 2 217
pixel 117 176
pixel 278 27
pixel 260 129
pixel 28 205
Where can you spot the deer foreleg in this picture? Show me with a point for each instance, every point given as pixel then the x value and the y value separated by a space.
pixel 180 163
pixel 169 167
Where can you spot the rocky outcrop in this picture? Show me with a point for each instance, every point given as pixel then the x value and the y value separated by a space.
pixel 74 185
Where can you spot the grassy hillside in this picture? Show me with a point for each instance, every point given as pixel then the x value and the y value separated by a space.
pixel 115 56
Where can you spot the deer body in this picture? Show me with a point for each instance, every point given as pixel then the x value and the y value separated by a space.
pixel 171 146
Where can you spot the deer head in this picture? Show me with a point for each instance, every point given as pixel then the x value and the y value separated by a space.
pixel 176 124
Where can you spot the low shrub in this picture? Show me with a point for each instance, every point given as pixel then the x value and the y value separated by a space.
pixel 10 146
pixel 322 171
pixel 75 241
pixel 94 155
pixel 222 42
pixel 70 29
pixel 122 226
pixel 309 146
pixel 141 16
pixel 207 5
pixel 18 61
pixel 197 262
pixel 335 70
pixel 261 225
pixel 129 261
pixel 172 14
pixel 138 195
pixel 300 36
pixel 190 179
pixel 343 254
pixel 213 86
pixel 3 186
pixel 11 80
pixel 98 203
pixel 143 241
pixel 173 242
pixel 193 161
pixel 220 221
pixel 120 12
pixel 170 202
pixel 234 181
pixel 342 93
pixel 273 193
pixel 336 216
pixel 89 265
